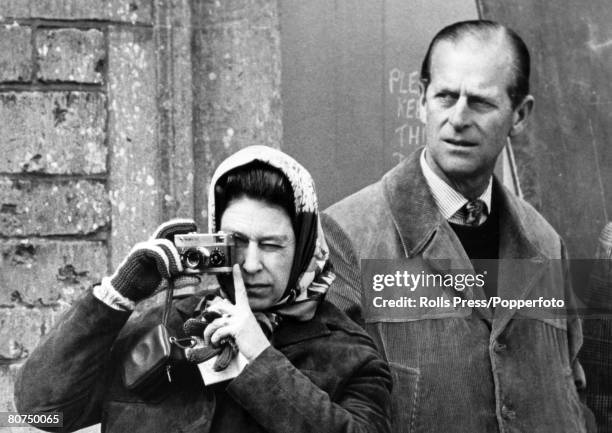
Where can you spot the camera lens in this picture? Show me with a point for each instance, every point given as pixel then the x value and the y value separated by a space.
pixel 217 258
pixel 193 259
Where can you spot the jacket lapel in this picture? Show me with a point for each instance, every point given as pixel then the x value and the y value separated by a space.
pixel 520 264
pixel 421 227
pixel 413 209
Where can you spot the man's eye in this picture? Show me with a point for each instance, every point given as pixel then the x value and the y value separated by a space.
pixel 481 104
pixel 446 98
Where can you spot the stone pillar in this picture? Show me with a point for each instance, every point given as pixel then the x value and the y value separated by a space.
pixel 236 77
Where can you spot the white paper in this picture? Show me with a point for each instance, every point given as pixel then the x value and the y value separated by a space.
pixel 210 376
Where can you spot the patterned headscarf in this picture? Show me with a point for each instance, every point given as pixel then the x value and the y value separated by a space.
pixel 311 273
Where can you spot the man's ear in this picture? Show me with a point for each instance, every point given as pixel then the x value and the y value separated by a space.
pixel 422 102
pixel 521 114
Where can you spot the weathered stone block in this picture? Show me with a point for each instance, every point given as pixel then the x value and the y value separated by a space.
pixel 34 271
pixel 7 384
pixel 53 132
pixel 21 329
pixel 8 376
pixel 32 207
pixel 134 182
pixel 70 55
pixel 15 53
pixel 115 10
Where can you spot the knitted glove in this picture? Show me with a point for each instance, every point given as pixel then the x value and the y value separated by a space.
pixel 177 226
pixel 149 263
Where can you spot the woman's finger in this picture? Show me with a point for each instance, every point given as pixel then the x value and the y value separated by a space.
pixel 220 334
pixel 240 293
pixel 221 306
pixel 213 327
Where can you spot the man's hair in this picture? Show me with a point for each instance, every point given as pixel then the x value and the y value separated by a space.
pixel 484 29
pixel 255 180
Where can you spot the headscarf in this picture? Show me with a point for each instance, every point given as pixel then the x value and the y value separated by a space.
pixel 311 273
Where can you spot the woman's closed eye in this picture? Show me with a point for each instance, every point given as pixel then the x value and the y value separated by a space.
pixel 240 240
pixel 271 246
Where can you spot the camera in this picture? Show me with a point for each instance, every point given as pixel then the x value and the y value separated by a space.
pixel 210 253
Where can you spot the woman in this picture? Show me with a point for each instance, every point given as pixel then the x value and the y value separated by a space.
pixel 309 368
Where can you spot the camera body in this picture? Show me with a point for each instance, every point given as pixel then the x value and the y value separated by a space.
pixel 206 253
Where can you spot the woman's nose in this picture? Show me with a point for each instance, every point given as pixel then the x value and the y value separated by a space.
pixel 251 258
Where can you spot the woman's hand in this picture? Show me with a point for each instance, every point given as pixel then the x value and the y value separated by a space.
pixel 150 263
pixel 237 321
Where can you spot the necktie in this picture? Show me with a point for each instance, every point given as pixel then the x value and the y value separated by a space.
pixel 476 213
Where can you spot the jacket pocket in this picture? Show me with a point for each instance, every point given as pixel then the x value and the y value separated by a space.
pixel 404 398
pixel 579 413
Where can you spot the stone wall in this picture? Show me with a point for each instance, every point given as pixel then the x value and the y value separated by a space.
pixel 55 212
pixel 97 124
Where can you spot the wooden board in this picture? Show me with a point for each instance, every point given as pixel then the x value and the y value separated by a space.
pixel 565 159
pixel 348 84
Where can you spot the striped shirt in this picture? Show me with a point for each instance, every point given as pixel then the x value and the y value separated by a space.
pixel 450 202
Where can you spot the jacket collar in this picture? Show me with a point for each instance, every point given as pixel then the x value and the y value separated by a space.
pixel 417 218
pixel 423 230
pixel 413 208
pixel 515 237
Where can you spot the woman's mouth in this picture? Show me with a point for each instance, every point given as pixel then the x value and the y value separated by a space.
pixel 256 286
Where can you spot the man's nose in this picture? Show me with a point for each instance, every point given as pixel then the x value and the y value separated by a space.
pixel 251 258
pixel 459 116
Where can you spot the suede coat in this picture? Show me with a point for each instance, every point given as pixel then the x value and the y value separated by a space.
pixel 485 371
pixel 321 375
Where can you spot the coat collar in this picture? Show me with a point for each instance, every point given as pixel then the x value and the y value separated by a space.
pixel 412 205
pixel 417 218
pixel 423 230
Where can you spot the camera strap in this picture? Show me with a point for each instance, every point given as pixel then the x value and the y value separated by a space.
pixel 168 303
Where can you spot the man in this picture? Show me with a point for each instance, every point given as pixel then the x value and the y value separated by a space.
pixel 487 370
pixel 270 312
pixel 596 353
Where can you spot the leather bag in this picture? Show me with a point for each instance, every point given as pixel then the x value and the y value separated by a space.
pixel 151 357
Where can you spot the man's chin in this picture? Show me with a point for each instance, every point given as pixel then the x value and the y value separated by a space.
pixel 464 155
pixel 461 170
pixel 458 166
pixel 462 163
pixel 449 161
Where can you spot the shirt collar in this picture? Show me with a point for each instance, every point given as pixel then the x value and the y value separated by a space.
pixel 448 200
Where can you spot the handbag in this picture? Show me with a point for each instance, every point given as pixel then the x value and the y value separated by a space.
pixel 153 355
